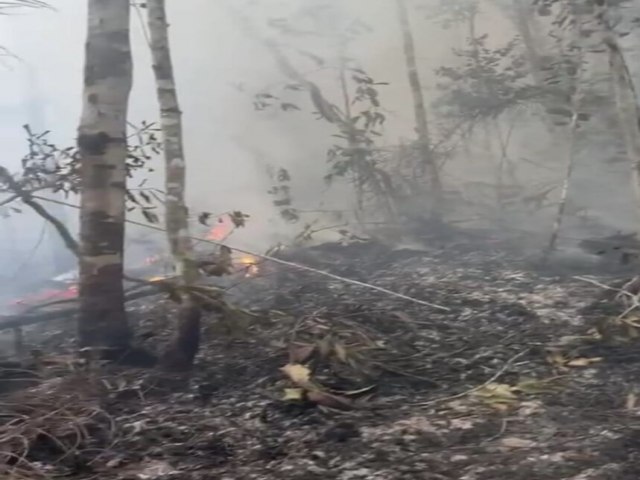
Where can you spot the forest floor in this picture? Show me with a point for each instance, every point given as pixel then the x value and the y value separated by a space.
pixel 512 382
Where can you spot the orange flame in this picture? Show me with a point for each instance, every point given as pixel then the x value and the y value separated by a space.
pixel 48 296
pixel 249 264
pixel 151 259
pixel 221 230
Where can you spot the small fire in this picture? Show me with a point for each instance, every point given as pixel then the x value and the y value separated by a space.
pixel 157 278
pixel 48 296
pixel 152 259
pixel 221 230
pixel 249 264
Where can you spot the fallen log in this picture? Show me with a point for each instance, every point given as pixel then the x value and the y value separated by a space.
pixel 36 314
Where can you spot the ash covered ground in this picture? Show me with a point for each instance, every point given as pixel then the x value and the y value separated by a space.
pixel 524 376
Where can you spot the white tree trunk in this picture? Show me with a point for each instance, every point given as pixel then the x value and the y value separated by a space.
pixel 182 350
pixel 420 111
pixel 625 93
pixel 102 143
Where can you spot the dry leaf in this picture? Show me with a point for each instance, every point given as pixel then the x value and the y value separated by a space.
pixel 583 362
pixel 499 396
pixel 293 394
pixel 495 391
pixel 515 442
pixel 341 352
pixel 298 374
pixel 534 387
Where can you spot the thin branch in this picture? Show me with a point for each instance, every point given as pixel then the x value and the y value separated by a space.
pixel 7 5
pixel 28 199
pixel 495 376
pixel 15 197
pixel 9 200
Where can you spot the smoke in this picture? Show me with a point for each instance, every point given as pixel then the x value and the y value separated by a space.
pixel 230 146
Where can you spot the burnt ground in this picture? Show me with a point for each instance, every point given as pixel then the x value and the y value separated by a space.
pixel 511 383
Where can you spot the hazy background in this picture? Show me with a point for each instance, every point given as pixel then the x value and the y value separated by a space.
pixel 218 69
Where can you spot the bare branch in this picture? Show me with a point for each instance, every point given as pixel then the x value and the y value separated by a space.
pixel 7 6
pixel 28 199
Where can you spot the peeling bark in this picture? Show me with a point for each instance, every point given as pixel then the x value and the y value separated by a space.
pixel 420 111
pixel 102 146
pixel 184 347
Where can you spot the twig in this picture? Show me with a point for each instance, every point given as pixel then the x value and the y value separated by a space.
pixel 601 285
pixel 503 429
pixel 635 300
pixel 497 375
pixel 429 381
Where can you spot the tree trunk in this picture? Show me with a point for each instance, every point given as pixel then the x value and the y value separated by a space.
pixel 564 193
pixel 184 347
pixel 420 111
pixel 522 13
pixel 625 95
pixel 103 152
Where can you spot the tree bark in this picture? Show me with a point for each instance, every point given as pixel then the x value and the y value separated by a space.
pixel 184 347
pixel 420 111
pixel 625 94
pixel 103 154
pixel 522 13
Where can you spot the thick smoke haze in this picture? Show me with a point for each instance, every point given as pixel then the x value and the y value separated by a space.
pixel 229 144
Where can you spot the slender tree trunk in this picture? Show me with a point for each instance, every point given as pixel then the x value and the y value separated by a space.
pixel 357 174
pixel 522 12
pixel 184 347
pixel 575 85
pixel 420 111
pixel 628 112
pixel 564 193
pixel 625 95
pixel 103 152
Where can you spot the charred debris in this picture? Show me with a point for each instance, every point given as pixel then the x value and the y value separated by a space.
pixel 313 375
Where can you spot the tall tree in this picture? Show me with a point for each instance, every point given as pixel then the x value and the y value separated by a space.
pixel 522 16
pixel 625 94
pixel 102 143
pixel 184 347
pixel 420 112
